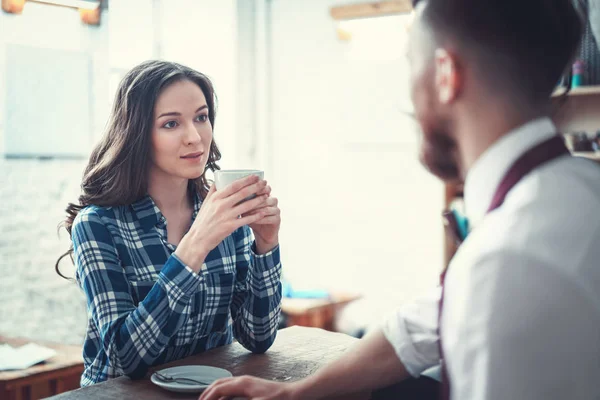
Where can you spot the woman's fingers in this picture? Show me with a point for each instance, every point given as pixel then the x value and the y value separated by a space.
pixel 266 190
pixel 269 207
pixel 261 210
pixel 250 205
pixel 270 203
pixel 272 220
pixel 271 213
pixel 249 219
pixel 267 211
pixel 211 191
pixel 238 185
pixel 246 192
pixel 235 194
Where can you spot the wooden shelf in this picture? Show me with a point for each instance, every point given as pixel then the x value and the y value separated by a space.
pixel 371 9
pixel 580 91
pixel 588 154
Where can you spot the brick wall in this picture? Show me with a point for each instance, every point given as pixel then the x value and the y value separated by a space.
pixel 34 301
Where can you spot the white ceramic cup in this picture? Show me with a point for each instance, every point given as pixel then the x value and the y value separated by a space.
pixel 228 176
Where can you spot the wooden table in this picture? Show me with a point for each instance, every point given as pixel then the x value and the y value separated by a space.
pixel 58 374
pixel 316 313
pixel 296 353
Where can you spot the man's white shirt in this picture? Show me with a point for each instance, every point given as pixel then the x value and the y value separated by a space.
pixel 521 313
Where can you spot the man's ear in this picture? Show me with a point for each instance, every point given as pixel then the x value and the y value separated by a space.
pixel 447 76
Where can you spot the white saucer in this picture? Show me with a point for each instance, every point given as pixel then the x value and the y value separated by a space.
pixel 199 372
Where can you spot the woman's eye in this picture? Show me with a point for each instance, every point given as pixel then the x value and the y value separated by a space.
pixel 170 125
pixel 202 118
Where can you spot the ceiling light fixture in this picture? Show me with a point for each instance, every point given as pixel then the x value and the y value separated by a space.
pixel 78 4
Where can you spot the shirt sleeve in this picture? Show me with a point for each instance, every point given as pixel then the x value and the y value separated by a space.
pixel 520 329
pixel 413 333
pixel 132 337
pixel 256 303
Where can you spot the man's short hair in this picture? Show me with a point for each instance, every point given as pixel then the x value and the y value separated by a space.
pixel 526 44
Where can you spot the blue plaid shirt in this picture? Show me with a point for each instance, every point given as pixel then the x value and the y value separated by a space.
pixel 146 307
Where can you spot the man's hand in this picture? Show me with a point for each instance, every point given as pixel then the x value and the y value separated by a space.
pixel 347 375
pixel 250 388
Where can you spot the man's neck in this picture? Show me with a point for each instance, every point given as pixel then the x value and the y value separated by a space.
pixel 479 130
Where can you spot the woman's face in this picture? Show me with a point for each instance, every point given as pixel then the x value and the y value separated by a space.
pixel 181 132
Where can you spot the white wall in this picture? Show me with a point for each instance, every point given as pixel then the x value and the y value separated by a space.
pixel 199 33
pixel 202 34
pixel 359 211
pixel 44 27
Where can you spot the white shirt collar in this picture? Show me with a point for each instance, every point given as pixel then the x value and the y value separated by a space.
pixel 485 175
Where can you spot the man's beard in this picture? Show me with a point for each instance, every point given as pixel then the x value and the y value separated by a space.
pixel 439 156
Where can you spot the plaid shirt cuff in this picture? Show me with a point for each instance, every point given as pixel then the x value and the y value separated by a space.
pixel 178 279
pixel 266 262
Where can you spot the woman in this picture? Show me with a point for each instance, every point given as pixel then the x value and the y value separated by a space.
pixel 157 294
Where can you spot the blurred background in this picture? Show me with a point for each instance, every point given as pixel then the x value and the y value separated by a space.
pixel 314 92
pixel 319 102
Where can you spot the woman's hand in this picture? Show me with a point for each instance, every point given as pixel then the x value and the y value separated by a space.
pixel 266 229
pixel 250 388
pixel 219 217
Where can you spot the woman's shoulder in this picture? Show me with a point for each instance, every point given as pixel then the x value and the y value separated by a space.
pixel 98 223
pixel 98 214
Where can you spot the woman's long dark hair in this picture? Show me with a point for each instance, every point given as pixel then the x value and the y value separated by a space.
pixel 116 173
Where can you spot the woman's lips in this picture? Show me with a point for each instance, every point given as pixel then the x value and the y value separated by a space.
pixel 192 156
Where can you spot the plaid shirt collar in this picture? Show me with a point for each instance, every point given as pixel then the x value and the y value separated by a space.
pixel 148 214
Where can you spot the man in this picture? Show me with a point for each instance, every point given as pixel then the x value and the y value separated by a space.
pixel 521 303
